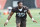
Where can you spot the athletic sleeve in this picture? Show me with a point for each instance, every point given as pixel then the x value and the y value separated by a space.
pixel 13 10
pixel 27 9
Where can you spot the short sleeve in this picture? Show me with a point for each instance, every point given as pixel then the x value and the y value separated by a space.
pixel 27 8
pixel 13 10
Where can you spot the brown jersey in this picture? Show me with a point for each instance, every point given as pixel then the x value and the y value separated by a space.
pixel 20 13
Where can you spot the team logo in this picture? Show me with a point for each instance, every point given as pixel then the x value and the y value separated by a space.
pixel 37 3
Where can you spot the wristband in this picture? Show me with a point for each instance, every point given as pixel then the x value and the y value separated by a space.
pixel 32 19
pixel 6 20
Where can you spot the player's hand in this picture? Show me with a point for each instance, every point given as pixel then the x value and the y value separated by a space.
pixel 5 24
pixel 34 21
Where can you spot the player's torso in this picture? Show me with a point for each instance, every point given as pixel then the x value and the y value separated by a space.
pixel 21 12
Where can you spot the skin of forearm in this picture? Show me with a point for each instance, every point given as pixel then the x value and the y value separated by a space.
pixel 10 16
pixel 30 15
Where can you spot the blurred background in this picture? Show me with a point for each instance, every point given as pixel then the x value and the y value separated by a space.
pixel 7 5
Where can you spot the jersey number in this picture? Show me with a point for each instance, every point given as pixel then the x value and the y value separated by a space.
pixel 21 14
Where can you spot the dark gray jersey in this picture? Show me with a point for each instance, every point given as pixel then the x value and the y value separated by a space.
pixel 20 12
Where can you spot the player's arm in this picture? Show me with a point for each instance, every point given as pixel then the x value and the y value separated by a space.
pixel 29 13
pixel 10 15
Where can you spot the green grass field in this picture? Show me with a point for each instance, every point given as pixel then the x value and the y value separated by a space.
pixel 29 23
